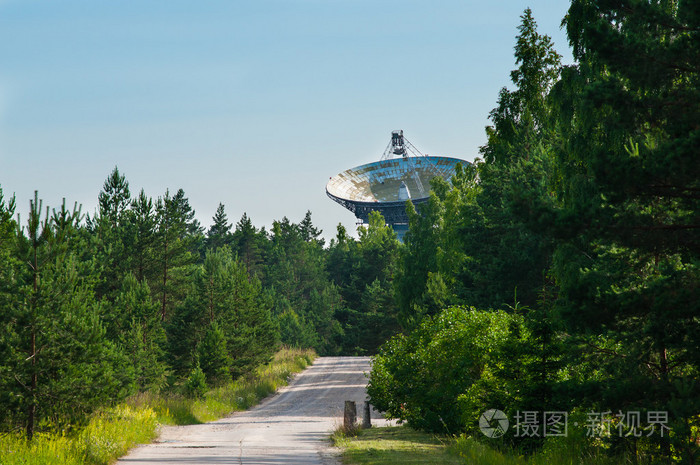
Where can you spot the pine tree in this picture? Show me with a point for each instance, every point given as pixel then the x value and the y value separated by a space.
pixel 213 355
pixel 114 199
pixel 628 261
pixel 140 332
pixel 112 228
pixel 296 270
pixel 219 233
pixel 308 231
pixel 176 238
pixel 224 294
pixel 250 244
pixel 63 365
pixel 368 312
pixel 8 301
pixel 416 260
pixel 142 254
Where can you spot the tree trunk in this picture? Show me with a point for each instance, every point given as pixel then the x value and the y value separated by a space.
pixel 165 280
pixel 31 408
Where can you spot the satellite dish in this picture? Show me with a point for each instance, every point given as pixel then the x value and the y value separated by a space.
pixel 386 185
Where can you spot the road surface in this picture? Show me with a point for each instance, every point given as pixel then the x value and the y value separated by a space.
pixel 291 427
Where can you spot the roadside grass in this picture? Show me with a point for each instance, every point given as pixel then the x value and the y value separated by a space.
pixel 108 435
pixel 400 445
pixel 394 445
pixel 238 395
pixel 112 432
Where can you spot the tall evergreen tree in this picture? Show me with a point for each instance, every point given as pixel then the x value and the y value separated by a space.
pixel 251 245
pixel 8 302
pixel 63 365
pixel 308 231
pixel 213 355
pixel 365 277
pixel 112 229
pixel 140 332
pixel 226 295
pixel 114 199
pixel 416 261
pixel 175 247
pixel 143 254
pixel 296 271
pixel 628 264
pixel 219 233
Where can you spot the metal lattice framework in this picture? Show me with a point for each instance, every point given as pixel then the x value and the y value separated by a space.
pixel 375 186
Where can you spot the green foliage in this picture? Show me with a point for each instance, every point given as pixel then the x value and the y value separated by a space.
pixel 112 230
pixel 628 265
pixel 583 216
pixel 108 435
pixel 295 331
pixel 111 432
pixel 134 298
pixel 225 294
pixel 251 245
pixel 219 233
pixel 213 355
pixel 196 384
pixel 62 365
pixel 176 237
pixel 296 271
pixel 419 377
pixel 142 257
pixel 141 334
pixel 236 395
pixel 568 450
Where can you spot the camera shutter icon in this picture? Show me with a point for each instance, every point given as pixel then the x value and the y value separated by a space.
pixel 493 423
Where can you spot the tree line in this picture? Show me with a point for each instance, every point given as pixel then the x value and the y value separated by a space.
pixel 140 297
pixel 560 271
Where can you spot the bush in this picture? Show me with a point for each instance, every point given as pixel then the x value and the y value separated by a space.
pixel 196 384
pixel 419 377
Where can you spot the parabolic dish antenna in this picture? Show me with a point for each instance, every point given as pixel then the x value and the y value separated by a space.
pixel 386 185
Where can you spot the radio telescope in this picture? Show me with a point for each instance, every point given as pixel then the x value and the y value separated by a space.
pixel 387 184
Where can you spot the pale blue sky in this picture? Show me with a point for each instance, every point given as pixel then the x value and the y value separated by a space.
pixel 251 103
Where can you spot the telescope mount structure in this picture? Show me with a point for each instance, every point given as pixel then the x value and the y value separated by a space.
pixel 403 173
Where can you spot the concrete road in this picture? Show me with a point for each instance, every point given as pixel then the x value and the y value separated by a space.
pixel 291 427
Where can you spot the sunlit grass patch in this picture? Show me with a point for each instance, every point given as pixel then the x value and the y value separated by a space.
pixel 402 445
pixel 557 451
pixel 394 445
pixel 108 435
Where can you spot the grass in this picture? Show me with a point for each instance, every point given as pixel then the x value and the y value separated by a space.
pixel 235 396
pixel 112 432
pixel 108 435
pixel 394 445
pixel 402 445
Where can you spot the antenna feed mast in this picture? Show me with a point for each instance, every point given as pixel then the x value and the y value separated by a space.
pixel 399 145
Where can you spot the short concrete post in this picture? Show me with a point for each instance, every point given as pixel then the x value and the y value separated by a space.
pixel 350 417
pixel 366 420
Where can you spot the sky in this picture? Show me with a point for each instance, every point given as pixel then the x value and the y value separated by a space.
pixel 254 104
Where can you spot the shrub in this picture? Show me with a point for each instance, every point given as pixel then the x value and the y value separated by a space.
pixel 419 377
pixel 196 384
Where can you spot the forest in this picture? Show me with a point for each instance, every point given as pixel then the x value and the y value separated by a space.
pixel 138 297
pixel 557 277
pixel 558 273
